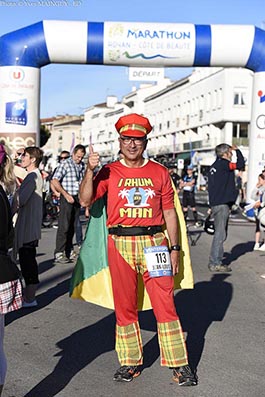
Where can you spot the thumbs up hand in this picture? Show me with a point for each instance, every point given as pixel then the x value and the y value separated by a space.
pixel 91 149
pixel 93 159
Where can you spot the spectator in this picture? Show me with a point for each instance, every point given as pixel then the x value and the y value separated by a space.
pixel 53 195
pixel 188 184
pixel 136 212
pixel 175 177
pixel 258 195
pixel 10 290
pixel 8 178
pixel 63 156
pixel 20 172
pixel 222 195
pixel 78 230
pixel 66 181
pixel 239 187
pixel 28 224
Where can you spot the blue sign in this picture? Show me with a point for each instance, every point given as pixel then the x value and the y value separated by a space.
pixel 16 112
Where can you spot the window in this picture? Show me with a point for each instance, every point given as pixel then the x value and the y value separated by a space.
pixel 201 102
pixel 100 135
pixel 240 130
pixel 178 111
pixel 219 98
pixel 235 131
pixel 239 98
pixel 243 133
pixel 208 102
pixel 196 106
pixel 192 107
pixel 214 100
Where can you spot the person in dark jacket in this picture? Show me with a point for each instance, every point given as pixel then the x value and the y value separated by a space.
pixel 222 195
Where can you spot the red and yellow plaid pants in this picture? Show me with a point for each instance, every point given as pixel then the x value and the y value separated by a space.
pixel 126 260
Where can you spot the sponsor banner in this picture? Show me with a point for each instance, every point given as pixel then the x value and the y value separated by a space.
pixel 256 159
pixel 16 112
pixel 149 44
pixel 19 99
pixel 146 74
pixel 17 140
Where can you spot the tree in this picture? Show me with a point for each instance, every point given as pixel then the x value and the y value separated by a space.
pixel 44 135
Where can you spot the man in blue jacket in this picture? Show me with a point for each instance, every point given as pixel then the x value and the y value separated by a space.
pixel 222 195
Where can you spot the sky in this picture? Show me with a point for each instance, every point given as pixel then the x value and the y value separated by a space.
pixel 70 89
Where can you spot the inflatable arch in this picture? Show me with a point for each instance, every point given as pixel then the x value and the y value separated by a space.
pixel 25 51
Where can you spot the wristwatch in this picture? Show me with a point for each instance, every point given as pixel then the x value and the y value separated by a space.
pixel 175 247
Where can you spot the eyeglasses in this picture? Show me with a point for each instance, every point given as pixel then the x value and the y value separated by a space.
pixel 64 158
pixel 137 141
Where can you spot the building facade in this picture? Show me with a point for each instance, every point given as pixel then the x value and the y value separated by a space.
pixel 65 134
pixel 189 117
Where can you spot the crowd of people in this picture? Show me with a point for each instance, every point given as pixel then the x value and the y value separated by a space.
pixel 21 211
pixel 142 226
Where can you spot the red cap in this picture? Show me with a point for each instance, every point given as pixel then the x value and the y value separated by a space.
pixel 133 125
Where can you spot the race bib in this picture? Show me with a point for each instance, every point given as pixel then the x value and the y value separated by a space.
pixel 158 261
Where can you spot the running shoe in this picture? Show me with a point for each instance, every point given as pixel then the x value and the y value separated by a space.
pixel 184 376
pixel 126 373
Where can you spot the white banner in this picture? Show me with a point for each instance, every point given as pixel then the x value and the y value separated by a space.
pixel 135 44
pixel 256 160
pixel 19 105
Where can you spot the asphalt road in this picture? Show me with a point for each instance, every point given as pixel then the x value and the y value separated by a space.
pixel 65 347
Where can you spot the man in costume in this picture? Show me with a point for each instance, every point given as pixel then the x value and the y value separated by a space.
pixel 140 200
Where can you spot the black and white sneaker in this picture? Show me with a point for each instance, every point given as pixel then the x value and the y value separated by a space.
pixel 184 376
pixel 126 373
pixel 61 258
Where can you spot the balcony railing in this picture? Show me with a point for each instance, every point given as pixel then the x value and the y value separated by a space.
pixel 240 141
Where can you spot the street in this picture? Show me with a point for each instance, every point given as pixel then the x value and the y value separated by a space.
pixel 65 347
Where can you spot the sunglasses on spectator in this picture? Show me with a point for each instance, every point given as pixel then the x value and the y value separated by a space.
pixel 64 158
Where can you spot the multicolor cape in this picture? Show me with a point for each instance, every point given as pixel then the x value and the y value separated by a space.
pixel 91 277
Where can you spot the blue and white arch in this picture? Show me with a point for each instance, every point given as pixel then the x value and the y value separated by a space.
pixel 25 51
